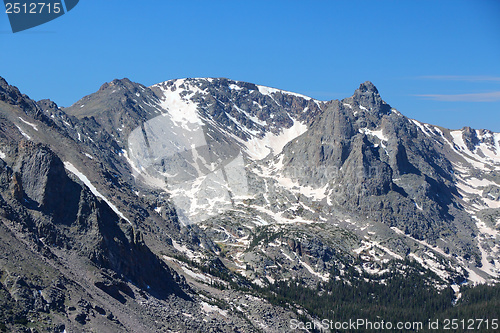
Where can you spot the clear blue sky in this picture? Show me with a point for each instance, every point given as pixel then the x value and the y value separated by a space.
pixel 435 61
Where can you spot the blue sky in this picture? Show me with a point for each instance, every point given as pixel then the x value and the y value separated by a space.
pixel 435 61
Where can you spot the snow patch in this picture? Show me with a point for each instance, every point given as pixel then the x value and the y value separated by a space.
pixel 181 110
pixel 208 308
pixel 259 148
pixel 70 167
pixel 379 134
pixel 367 245
pixel 235 87
pixel 268 91
pixel 422 127
pixel 474 278
pixel 23 133
pixel 249 116
pixel 324 277
pixel 183 249
pixel 432 265
pixel 424 243
pixel 197 276
pixel 28 123
pixel 456 289
pixel 483 155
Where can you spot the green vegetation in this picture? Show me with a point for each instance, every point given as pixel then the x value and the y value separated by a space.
pixel 405 297
pixel 477 302
pixel 262 234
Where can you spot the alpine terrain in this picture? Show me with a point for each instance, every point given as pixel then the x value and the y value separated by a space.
pixel 212 205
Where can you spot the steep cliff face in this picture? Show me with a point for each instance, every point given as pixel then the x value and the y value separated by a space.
pixel 375 163
pixel 60 220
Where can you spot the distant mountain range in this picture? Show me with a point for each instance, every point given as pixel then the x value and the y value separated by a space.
pixel 212 204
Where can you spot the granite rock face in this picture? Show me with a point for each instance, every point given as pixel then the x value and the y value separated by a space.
pixel 382 167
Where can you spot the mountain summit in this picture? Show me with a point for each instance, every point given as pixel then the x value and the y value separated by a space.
pixel 367 97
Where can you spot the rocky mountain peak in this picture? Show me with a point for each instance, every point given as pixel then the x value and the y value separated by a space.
pixel 9 94
pixel 366 87
pixel 470 138
pixel 3 82
pixel 47 104
pixel 117 103
pixel 125 82
pixel 367 97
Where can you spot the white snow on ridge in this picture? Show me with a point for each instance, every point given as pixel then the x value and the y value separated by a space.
pixel 474 277
pixel 491 152
pixel 181 110
pixel 424 243
pixel 421 126
pixel 249 116
pixel 2 154
pixel 488 267
pixel 432 265
pixel 183 248
pixel 317 194
pixel 207 308
pixel 473 186
pixel 277 217
pixel 367 245
pixel 379 134
pixel 259 148
pixel 235 87
pixel 268 91
pixel 23 133
pixel 184 112
pixel 197 276
pixel 484 154
pixel 324 277
pixel 466 188
pixel 480 182
pixel 458 139
pixel 70 167
pixel 463 150
pixel 28 123
pixel 485 230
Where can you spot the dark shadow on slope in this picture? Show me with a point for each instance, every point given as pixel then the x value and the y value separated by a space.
pixel 68 216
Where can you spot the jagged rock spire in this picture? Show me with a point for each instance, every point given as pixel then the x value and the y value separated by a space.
pixel 367 96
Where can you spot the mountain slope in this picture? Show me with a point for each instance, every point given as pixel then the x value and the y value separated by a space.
pixel 75 257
